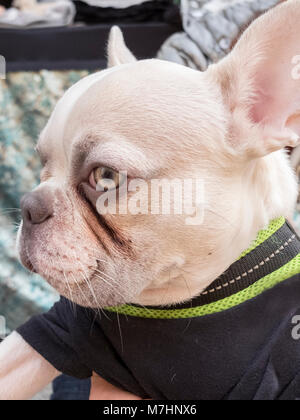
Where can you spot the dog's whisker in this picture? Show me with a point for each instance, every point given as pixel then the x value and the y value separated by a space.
pixel 109 263
pixel 91 289
pixel 121 336
pixel 114 289
pixel 108 276
pixel 79 288
pixel 69 287
pixel 99 259
pixel 85 278
pixel 9 211
pixel 99 309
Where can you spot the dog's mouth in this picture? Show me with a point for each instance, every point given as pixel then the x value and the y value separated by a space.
pixel 24 256
pixel 72 270
pixel 27 263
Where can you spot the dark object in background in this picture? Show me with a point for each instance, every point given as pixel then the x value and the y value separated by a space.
pixel 173 17
pixel 66 388
pixel 76 47
pixel 6 3
pixel 151 11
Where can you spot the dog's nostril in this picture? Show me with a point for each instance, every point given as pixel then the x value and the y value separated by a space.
pixel 36 209
pixel 28 215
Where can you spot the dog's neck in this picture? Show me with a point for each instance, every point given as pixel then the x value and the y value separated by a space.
pixel 272 258
pixel 267 190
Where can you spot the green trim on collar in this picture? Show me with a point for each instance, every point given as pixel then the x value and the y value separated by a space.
pixel 265 234
pixel 244 280
pixel 290 269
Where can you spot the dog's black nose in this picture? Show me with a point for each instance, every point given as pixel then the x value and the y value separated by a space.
pixel 36 207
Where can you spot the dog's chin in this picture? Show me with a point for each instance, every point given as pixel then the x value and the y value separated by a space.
pixel 80 293
pixel 87 294
pixel 92 301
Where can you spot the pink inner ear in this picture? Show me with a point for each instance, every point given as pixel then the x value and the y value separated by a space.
pixel 277 94
pixel 262 103
pixel 264 68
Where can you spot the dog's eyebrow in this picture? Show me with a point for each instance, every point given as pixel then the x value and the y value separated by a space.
pixel 119 155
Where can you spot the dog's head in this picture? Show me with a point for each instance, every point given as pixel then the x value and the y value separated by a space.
pixel 156 120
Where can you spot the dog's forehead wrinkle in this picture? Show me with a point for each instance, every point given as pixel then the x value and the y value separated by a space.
pixel 80 152
pixel 118 154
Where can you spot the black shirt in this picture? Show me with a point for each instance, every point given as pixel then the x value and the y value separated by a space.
pixel 238 340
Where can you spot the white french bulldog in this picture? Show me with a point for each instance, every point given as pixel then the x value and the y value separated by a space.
pixel 227 126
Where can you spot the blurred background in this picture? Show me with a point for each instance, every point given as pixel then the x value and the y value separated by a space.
pixel 50 45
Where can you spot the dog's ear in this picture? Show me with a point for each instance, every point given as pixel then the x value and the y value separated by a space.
pixel 260 82
pixel 117 51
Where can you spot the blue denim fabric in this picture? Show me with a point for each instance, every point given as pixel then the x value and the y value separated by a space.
pixel 66 388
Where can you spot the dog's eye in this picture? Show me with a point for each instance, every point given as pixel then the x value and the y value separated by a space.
pixel 105 179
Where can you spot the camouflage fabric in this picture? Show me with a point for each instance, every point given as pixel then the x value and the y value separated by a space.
pixel 26 102
pixel 210 29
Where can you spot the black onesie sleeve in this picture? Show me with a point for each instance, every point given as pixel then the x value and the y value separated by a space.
pixel 52 336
